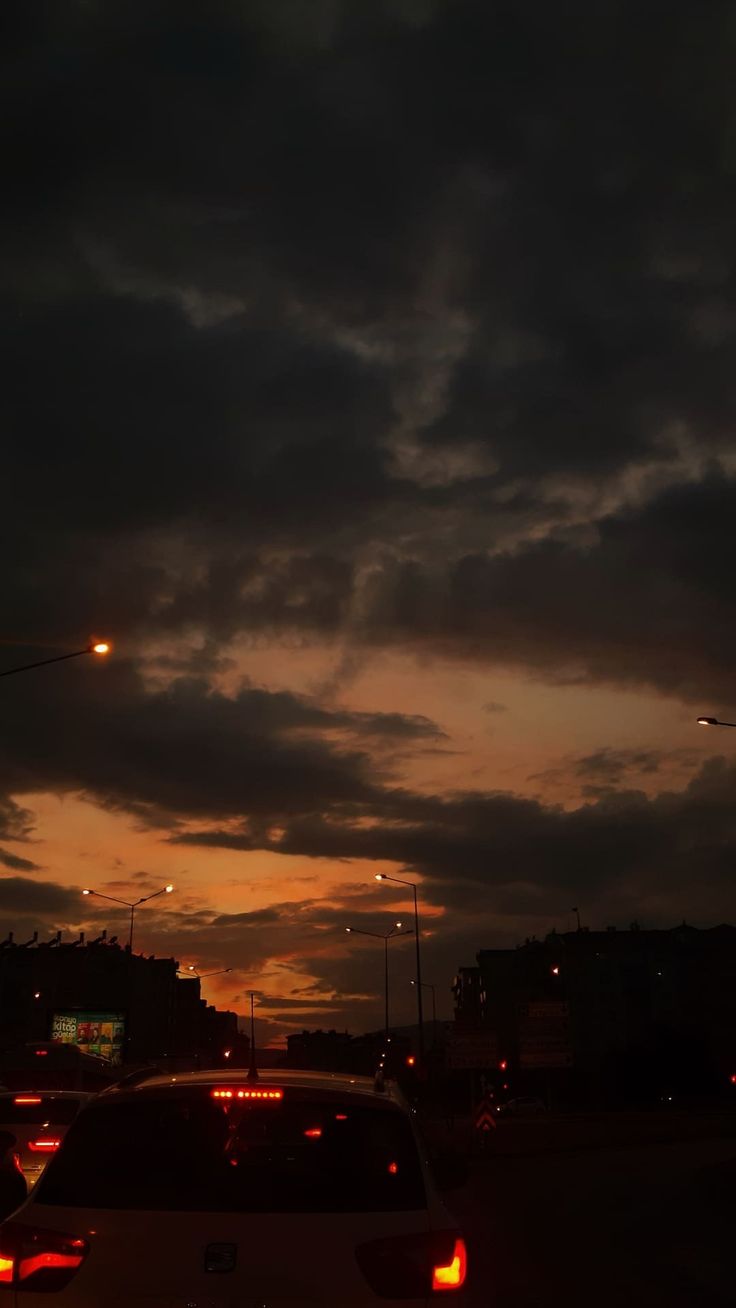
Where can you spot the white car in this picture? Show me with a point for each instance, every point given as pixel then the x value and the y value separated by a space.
pixel 39 1120
pixel 209 1190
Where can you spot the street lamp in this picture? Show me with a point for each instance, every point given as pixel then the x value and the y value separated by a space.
pixel 383 876
pixel 714 722
pixel 100 647
pixel 428 986
pixel 377 935
pixel 166 890
pixel 202 976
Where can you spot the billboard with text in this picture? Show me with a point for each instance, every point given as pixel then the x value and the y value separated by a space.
pixel 94 1033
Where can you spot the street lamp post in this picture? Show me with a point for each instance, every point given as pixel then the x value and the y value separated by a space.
pixel 428 986
pixel 132 905
pixel 714 722
pixel 383 876
pixel 377 935
pixel 202 976
pixel 99 647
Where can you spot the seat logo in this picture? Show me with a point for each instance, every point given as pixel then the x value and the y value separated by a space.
pixel 220 1257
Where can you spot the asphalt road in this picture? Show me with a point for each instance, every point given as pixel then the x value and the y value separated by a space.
pixel 556 1216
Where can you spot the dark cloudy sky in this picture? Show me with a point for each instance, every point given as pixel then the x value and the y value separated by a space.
pixel 369 381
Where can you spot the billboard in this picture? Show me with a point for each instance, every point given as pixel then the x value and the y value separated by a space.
pixel 544 1034
pixel 475 1050
pixel 94 1033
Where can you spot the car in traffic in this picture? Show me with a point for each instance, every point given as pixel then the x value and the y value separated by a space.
pixel 39 1120
pixel 211 1188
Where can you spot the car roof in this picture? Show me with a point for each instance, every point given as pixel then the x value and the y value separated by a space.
pixel 281 1078
pixel 47 1094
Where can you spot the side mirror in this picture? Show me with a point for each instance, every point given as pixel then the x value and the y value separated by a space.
pixel 450 1170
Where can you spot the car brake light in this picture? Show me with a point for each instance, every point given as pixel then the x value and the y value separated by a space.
pixel 41 1053
pixel 45 1146
pixel 39 1260
pixel 313 1132
pixel 27 1099
pixel 451 1276
pixel 413 1266
pixel 247 1094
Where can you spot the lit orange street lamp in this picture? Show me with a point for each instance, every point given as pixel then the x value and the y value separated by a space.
pixel 99 647
pixel 714 722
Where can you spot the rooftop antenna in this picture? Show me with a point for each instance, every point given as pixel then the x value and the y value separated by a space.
pixel 252 1070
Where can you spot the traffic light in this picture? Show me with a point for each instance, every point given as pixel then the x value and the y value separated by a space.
pixel 502 1066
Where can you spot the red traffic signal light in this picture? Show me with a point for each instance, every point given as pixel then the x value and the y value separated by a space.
pixel 503 1065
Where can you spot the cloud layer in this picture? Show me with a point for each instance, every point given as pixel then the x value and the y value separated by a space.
pixel 403 326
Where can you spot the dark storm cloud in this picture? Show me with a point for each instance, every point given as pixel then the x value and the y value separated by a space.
pixel 187 750
pixel 608 769
pixel 647 602
pixel 17 863
pixel 16 823
pixel 257 917
pixel 440 277
pixel 23 897
pixel 507 854
pixel 397 324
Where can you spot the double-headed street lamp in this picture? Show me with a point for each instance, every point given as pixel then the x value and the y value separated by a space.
pixel 383 876
pixel 99 647
pixel 132 905
pixel 714 722
pixel 377 935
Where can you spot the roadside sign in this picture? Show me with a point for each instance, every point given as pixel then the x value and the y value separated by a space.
pixel 474 1050
pixel 544 1034
pixel 485 1119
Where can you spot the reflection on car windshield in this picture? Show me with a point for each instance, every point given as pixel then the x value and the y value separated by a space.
pixel 191 1154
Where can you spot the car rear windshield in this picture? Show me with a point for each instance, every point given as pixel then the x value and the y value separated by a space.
pixel 33 1109
pixel 195 1154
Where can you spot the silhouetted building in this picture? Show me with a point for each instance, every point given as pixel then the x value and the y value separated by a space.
pixel 634 1016
pixel 337 1051
pixel 322 1051
pixel 127 1007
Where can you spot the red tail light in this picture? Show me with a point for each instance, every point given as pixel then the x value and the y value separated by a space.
pixel 35 1259
pixel 413 1266
pixel 44 1146
pixel 451 1276
pixel 247 1094
pixel 313 1132
pixel 27 1099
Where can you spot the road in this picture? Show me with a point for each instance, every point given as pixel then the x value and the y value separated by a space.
pixel 557 1216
